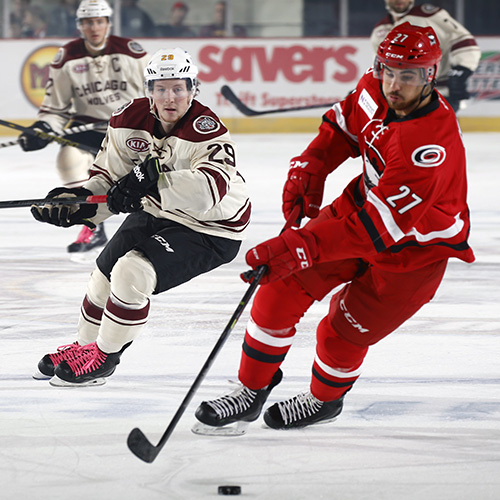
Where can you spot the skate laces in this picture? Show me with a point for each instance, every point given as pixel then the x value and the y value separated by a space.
pixel 88 359
pixel 301 406
pixel 65 352
pixel 85 235
pixel 236 402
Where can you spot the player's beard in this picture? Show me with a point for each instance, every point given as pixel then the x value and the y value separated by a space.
pixel 403 105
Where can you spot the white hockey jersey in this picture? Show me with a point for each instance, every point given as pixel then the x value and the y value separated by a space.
pixel 88 89
pixel 458 46
pixel 199 185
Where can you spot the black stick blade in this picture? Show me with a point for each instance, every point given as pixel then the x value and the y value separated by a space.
pixel 243 108
pixel 236 102
pixel 141 447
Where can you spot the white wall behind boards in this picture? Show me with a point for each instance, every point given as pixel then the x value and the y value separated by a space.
pixel 265 73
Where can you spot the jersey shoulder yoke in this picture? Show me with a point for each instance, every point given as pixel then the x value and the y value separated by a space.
pixel 133 115
pixel 425 10
pixel 199 124
pixel 69 52
pixel 125 46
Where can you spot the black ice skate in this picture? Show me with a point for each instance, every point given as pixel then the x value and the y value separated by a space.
pixel 242 406
pixel 48 363
pixel 302 410
pixel 90 367
pixel 89 239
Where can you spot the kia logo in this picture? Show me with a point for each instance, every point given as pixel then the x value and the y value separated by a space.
pixel 137 144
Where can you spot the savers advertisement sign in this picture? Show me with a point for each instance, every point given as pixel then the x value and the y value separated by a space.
pixel 265 73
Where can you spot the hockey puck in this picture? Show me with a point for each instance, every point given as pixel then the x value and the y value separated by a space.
pixel 229 490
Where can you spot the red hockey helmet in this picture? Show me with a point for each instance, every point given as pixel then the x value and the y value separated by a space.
pixel 409 46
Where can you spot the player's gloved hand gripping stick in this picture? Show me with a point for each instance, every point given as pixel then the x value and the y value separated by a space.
pixel 44 136
pixel 137 442
pixel 126 195
pixel 62 207
pixel 76 129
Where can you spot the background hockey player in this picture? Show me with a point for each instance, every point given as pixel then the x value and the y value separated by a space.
pixel 388 237
pixel 171 155
pixel 461 54
pixel 89 78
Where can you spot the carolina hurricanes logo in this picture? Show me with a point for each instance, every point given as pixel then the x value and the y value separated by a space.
pixel 431 155
pixel 137 144
pixel 206 125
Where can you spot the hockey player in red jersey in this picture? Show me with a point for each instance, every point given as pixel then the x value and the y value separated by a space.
pixel 169 162
pixel 89 78
pixel 388 237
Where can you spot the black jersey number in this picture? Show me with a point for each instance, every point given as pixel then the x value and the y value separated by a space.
pixel 408 204
pixel 228 155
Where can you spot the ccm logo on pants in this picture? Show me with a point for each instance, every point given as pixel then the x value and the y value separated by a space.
pixel 162 241
pixel 350 318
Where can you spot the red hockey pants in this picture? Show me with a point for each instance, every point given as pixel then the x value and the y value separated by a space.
pixel 372 304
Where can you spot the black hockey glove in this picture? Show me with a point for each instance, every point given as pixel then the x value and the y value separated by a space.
pixel 66 215
pixel 30 142
pixel 457 85
pixel 126 194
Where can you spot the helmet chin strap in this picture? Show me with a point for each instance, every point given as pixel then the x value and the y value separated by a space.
pixel 193 94
pixel 424 97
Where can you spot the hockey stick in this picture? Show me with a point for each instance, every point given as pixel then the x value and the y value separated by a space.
pixel 9 143
pixel 137 442
pixel 84 127
pixel 69 131
pixel 77 200
pixel 45 135
pixel 243 108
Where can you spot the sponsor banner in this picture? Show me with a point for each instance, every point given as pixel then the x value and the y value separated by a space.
pixel 264 73
pixel 35 73
pixel 485 82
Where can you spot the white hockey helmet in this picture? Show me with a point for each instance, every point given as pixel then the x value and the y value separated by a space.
pixel 93 8
pixel 171 64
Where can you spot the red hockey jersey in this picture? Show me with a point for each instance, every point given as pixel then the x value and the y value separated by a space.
pixel 409 207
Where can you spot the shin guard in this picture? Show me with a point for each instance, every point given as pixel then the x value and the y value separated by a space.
pixel 276 309
pixel 336 365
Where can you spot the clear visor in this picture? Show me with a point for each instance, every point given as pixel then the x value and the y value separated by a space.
pixel 180 87
pixel 81 21
pixel 403 76
pixel 161 88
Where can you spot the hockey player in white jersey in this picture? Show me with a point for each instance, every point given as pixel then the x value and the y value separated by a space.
pixel 89 78
pixel 170 162
pixel 461 54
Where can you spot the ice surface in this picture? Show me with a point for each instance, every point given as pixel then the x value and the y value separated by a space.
pixel 423 421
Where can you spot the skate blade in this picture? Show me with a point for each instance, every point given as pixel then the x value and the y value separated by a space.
pixel 84 257
pixel 236 429
pixel 38 375
pixel 55 381
pixel 300 427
